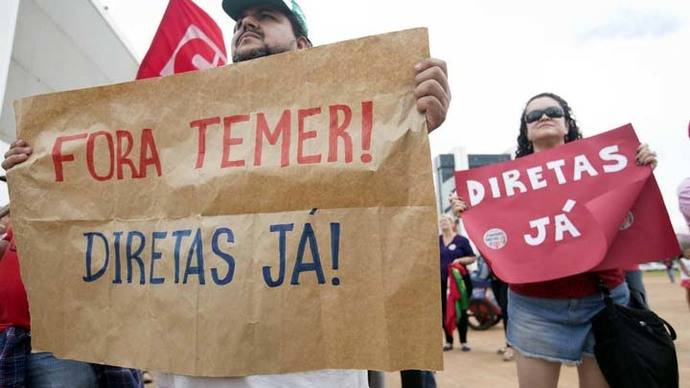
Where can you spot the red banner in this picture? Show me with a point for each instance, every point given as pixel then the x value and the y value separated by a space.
pixel 579 207
pixel 187 40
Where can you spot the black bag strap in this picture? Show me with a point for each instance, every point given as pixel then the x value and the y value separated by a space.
pixel 606 293
pixel 669 328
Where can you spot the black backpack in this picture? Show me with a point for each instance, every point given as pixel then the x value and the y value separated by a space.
pixel 634 347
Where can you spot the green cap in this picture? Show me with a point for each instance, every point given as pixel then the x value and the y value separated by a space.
pixel 234 9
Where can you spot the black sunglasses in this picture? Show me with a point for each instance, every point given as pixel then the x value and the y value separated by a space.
pixel 553 112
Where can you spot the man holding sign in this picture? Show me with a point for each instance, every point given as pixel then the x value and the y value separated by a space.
pixel 563 236
pixel 263 28
pixel 271 27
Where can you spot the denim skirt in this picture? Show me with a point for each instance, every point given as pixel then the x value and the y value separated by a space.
pixel 557 330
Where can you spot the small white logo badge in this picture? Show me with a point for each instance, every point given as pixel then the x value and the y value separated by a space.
pixel 495 238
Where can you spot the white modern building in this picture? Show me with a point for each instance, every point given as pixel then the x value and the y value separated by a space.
pixel 445 166
pixel 50 46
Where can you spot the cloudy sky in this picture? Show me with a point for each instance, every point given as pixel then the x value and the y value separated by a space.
pixel 615 61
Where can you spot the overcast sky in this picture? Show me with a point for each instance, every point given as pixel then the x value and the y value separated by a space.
pixel 614 61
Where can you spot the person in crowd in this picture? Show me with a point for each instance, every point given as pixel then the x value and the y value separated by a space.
pixel 684 200
pixel 684 239
pixel 684 264
pixel 455 249
pixel 638 294
pixel 19 366
pixel 500 290
pixel 417 379
pixel 263 28
pixel 670 271
pixel 550 321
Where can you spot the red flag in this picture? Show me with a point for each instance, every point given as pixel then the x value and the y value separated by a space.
pixel 187 40
pixel 579 207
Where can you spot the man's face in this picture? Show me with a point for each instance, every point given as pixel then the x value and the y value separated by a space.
pixel 262 31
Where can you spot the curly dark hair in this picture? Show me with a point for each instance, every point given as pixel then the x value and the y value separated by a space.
pixel 525 146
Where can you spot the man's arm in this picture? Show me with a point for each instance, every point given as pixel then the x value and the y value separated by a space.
pixel 466 260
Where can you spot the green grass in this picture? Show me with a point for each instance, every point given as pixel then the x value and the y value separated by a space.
pixel 659 273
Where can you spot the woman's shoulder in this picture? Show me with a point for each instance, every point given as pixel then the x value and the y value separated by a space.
pixel 461 238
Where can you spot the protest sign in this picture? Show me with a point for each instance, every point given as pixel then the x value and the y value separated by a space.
pixel 271 216
pixel 582 206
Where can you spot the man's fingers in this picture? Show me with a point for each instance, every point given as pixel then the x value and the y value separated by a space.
pixel 432 91
pixel 432 87
pixel 431 62
pixel 434 111
pixel 18 150
pixel 12 151
pixel 434 73
pixel 13 160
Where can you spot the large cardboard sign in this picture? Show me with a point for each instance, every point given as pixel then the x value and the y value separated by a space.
pixel 582 206
pixel 271 216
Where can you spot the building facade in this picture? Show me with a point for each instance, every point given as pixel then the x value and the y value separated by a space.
pixel 50 46
pixel 445 166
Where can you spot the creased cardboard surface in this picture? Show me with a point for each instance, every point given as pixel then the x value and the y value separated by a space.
pixel 193 236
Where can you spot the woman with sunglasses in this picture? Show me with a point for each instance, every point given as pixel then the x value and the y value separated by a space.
pixel 550 321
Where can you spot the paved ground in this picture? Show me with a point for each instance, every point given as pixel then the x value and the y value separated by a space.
pixel 482 367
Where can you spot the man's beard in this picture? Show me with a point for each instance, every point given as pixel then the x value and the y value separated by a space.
pixel 259 52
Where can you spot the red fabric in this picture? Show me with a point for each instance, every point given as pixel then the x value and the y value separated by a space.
pixel 14 306
pixel 634 267
pixel 571 287
pixel 187 40
pixel 459 267
pixel 453 296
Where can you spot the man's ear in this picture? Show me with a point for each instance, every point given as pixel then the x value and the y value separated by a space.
pixel 303 43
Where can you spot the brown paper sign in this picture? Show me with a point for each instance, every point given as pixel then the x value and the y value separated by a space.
pixel 270 216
